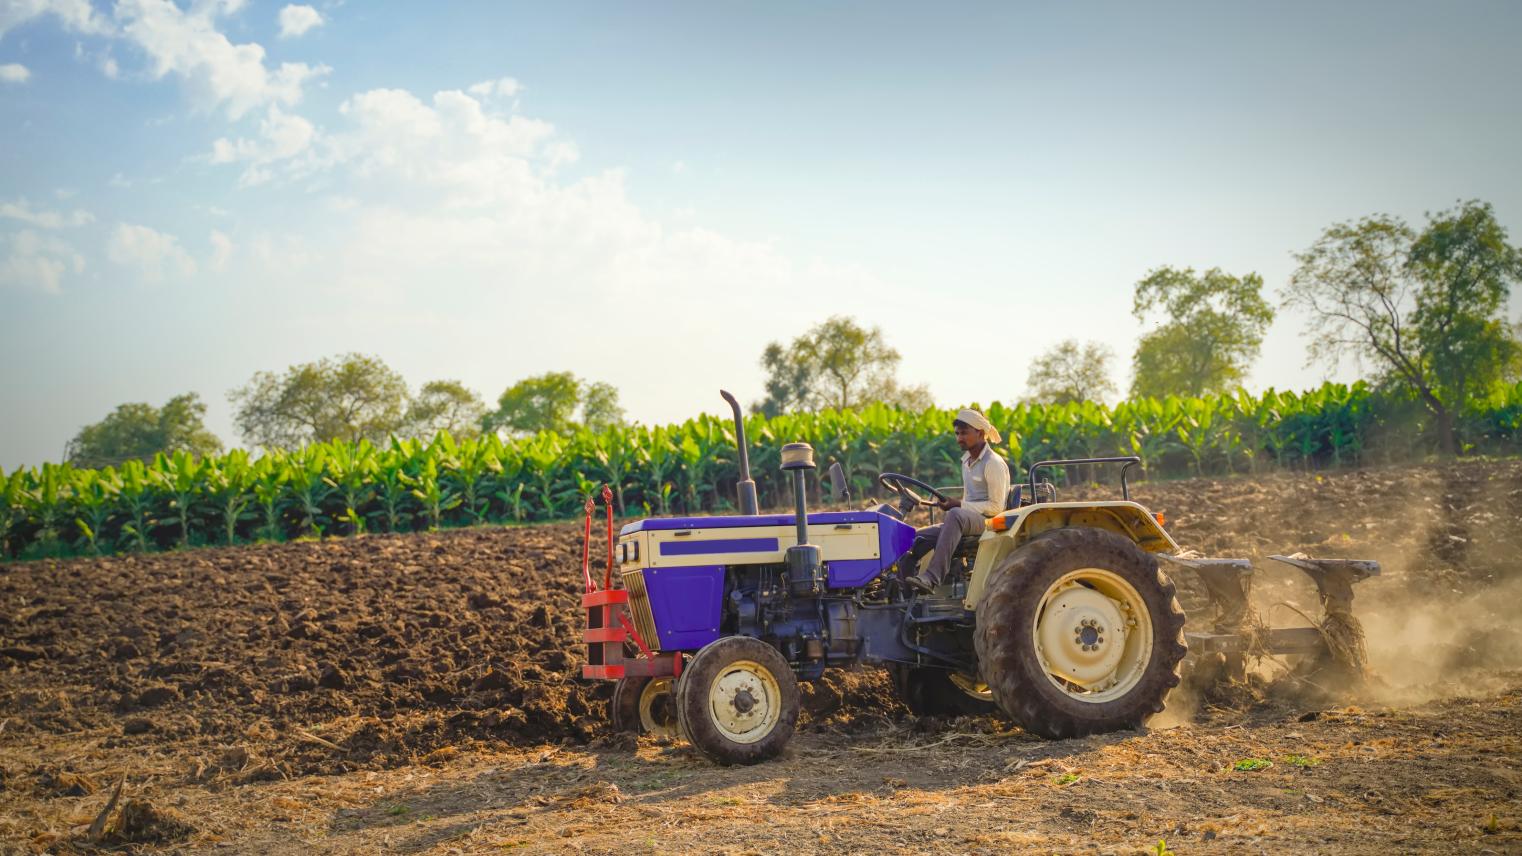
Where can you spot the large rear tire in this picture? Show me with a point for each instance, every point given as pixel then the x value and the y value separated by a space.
pixel 738 701
pixel 1079 633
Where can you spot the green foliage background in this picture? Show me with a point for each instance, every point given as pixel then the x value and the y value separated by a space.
pixel 342 488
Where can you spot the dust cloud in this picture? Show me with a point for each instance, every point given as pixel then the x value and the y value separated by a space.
pixel 1423 647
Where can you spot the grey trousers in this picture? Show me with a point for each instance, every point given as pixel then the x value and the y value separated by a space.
pixel 958 524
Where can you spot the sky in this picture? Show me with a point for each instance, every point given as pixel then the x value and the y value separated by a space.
pixel 648 193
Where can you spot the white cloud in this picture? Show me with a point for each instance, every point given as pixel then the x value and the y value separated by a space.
pixel 297 20
pixel 221 250
pixel 452 147
pixel 218 73
pixel 14 72
pixel 453 195
pixel 109 68
pixel 451 184
pixel 22 210
pixel 505 87
pixel 153 253
pixel 34 261
pixel 75 15
pixel 282 138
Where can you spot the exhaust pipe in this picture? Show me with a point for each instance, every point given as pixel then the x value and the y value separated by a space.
pixel 746 488
pixel 805 568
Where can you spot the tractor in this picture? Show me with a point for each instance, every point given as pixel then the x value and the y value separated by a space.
pixel 1057 616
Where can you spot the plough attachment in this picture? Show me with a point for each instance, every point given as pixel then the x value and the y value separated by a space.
pixel 1237 632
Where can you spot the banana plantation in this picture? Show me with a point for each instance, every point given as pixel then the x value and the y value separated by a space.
pixel 340 488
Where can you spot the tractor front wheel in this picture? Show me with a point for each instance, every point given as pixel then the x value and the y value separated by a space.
pixel 738 701
pixel 644 706
pixel 1079 633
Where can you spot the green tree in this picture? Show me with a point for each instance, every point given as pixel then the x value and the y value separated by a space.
pixel 789 375
pixel 140 431
pixel 445 405
pixel 1426 309
pixel 599 406
pixel 550 402
pixel 351 397
pixel 836 364
pixel 544 402
pixel 1212 326
pixel 1069 371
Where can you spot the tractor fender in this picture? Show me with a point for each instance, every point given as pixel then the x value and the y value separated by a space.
pixel 1008 531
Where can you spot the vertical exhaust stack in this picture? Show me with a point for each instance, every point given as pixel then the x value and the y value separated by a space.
pixel 746 488
pixel 805 570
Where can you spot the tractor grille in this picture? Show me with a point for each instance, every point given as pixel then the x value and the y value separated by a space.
pixel 639 607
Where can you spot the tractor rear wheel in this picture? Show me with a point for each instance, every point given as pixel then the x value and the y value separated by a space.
pixel 738 701
pixel 1079 633
pixel 937 692
pixel 644 706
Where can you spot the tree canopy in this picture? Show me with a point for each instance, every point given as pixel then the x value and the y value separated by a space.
pixel 550 402
pixel 1426 309
pixel 350 397
pixel 837 363
pixel 141 431
pixel 599 406
pixel 445 405
pixel 1211 329
pixel 1069 371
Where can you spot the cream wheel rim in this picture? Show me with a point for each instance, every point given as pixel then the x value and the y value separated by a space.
pixel 656 713
pixel 1093 635
pixel 745 701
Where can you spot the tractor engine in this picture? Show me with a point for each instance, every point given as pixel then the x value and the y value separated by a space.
pixel 810 631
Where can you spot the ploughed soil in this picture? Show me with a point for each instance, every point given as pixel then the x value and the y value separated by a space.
pixel 420 693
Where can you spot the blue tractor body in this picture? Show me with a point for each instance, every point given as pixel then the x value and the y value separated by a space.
pixel 693 579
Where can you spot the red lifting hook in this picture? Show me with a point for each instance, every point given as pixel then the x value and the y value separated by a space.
pixel 607 500
pixel 586 548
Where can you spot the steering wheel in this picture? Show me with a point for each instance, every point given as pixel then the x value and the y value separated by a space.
pixel 904 486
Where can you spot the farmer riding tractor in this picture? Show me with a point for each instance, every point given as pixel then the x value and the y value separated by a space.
pixel 1057 615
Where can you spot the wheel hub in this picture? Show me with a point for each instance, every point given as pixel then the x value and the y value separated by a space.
pixel 1082 635
pixel 746 701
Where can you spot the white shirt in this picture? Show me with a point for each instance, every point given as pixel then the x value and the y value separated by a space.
pixel 985 482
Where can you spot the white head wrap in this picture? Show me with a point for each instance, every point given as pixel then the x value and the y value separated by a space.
pixel 974 419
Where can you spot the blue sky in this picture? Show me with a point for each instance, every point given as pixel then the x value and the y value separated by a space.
pixel 648 193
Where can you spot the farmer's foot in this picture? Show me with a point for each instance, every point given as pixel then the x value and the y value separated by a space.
pixel 920 583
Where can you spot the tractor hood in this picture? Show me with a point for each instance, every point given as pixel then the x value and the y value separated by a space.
pixel 818 518
pixel 857 545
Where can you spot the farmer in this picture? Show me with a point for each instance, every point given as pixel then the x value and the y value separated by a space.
pixel 985 483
